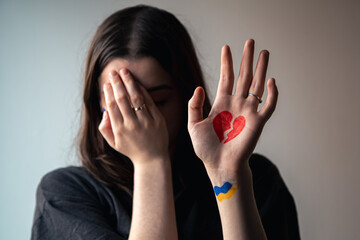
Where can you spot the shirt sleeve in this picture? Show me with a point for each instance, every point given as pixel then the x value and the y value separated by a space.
pixel 275 203
pixel 69 207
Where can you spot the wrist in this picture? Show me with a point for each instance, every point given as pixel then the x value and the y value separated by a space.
pixel 237 175
pixel 152 163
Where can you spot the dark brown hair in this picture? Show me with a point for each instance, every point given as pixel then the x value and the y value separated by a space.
pixel 133 33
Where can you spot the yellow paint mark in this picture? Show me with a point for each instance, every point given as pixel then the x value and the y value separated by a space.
pixel 229 194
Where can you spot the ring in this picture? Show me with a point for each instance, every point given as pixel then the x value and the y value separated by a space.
pixel 260 100
pixel 140 108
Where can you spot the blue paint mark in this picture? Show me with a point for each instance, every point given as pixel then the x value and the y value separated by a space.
pixel 224 189
pixel 104 109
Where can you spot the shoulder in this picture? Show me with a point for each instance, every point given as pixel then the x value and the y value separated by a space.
pixel 68 183
pixel 69 200
pixel 72 175
pixel 71 188
pixel 64 173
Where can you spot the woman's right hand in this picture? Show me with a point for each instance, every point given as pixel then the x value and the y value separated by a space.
pixel 140 135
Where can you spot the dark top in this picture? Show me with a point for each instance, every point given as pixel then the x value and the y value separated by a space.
pixel 71 204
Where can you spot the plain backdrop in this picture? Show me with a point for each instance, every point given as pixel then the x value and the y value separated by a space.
pixel 313 137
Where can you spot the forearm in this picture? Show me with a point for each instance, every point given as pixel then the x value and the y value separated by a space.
pixel 153 214
pixel 237 207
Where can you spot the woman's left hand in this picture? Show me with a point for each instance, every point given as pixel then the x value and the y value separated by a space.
pixel 227 137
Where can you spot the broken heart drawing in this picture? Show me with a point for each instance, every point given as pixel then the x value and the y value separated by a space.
pixel 222 123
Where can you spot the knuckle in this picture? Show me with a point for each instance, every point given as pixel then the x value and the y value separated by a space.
pixel 190 103
pixel 137 98
pixel 147 124
pixel 102 126
pixel 112 104
pixel 114 79
pixel 132 126
pixel 116 128
pixel 227 76
pixel 224 77
pixel 243 73
pixel 117 131
pixel 120 98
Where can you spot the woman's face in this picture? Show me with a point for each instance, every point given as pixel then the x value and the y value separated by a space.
pixel 161 87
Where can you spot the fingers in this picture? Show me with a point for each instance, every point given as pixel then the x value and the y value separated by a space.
pixel 246 69
pixel 257 85
pixel 226 82
pixel 135 94
pixel 122 103
pixel 150 105
pixel 195 107
pixel 115 115
pixel 271 100
pixel 106 130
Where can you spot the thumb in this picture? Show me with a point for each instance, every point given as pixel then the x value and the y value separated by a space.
pixel 106 129
pixel 195 107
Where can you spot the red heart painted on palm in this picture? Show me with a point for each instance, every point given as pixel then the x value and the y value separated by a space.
pixel 222 123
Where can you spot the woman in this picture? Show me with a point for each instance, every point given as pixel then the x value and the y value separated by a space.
pixel 154 151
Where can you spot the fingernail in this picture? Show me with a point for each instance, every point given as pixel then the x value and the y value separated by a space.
pixel 224 48
pixel 112 74
pixel 104 114
pixel 124 71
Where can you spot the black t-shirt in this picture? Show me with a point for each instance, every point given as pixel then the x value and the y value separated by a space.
pixel 71 204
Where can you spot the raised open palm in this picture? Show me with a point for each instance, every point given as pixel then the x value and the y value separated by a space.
pixel 228 136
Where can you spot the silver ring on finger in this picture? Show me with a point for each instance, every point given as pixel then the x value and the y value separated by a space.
pixel 140 108
pixel 258 98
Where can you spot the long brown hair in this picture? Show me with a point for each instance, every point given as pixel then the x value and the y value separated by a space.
pixel 132 33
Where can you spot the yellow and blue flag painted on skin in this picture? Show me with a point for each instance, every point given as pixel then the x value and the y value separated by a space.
pixel 225 191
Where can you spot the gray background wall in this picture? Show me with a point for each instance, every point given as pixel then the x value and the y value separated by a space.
pixel 313 137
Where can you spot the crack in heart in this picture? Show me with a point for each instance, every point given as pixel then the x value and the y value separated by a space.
pixel 222 123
